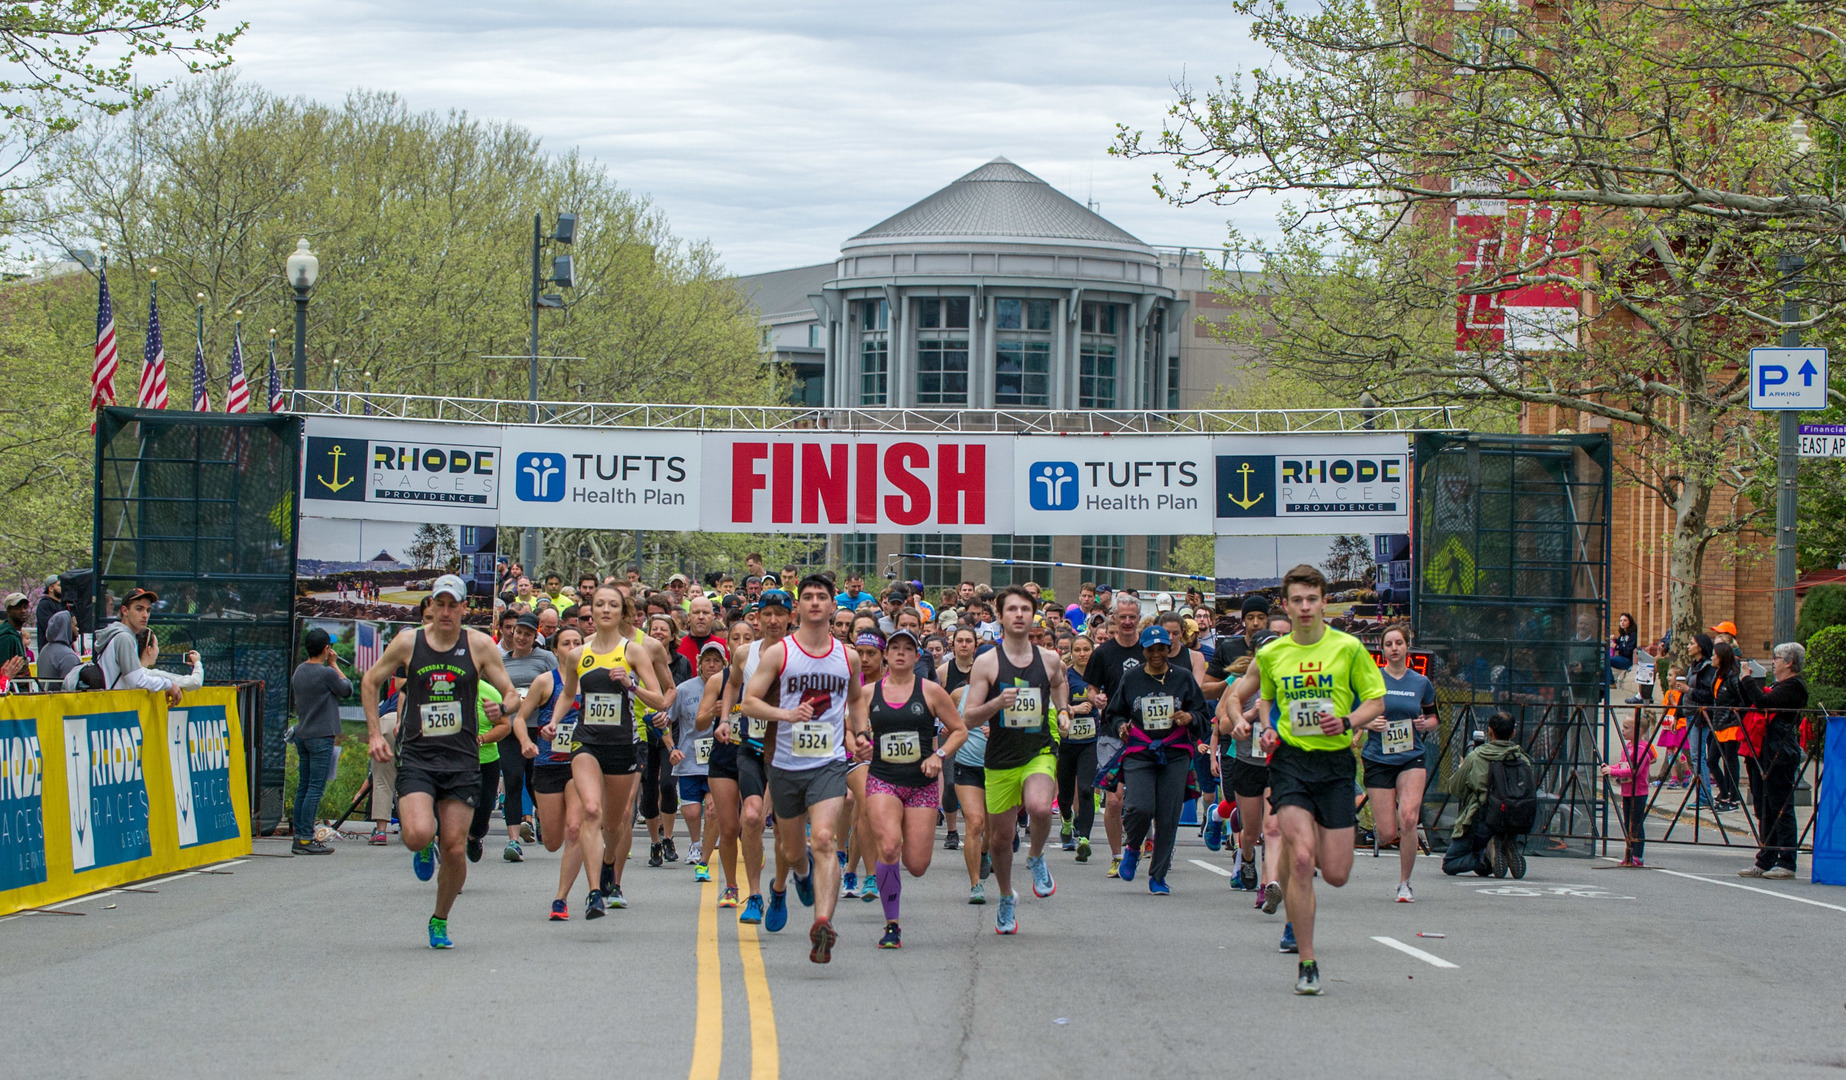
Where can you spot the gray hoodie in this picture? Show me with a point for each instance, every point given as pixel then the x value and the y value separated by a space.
pixel 120 660
pixel 56 658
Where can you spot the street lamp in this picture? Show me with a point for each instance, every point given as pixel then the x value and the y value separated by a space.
pixel 561 275
pixel 303 270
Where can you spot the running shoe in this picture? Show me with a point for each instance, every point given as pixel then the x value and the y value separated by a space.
pixel 987 866
pixel 439 934
pixel 1236 866
pixel 1083 849
pixel 513 852
pixel 667 851
pixel 695 855
pixel 701 873
pixel 891 940
pixel 849 886
pixel 1307 982
pixel 424 862
pixel 379 839
pixel 594 906
pixel 1006 920
pixel 1247 878
pixel 753 910
pixel 1214 832
pixel 777 916
pixel 822 937
pixel 1064 835
pixel 614 897
pixel 804 884
pixel 1042 885
pixel 1516 860
pixel 1125 867
pixel 475 849
pixel 1069 845
pixel 868 889
pixel 1404 896
pixel 1288 939
pixel 1115 867
pixel 608 878
pixel 1272 897
pixel 527 832
pixel 952 842
pixel 560 911
pixel 977 893
pixel 1158 887
pixel 1778 873
pixel 654 856
pixel 728 898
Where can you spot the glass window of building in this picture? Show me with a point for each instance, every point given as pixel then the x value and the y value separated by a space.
pixel 1172 382
pixel 1031 553
pixel 813 335
pixel 1096 357
pixel 874 352
pixel 1022 352
pixel 935 573
pixel 1110 551
pixel 1156 560
pixel 942 350
pixel 859 553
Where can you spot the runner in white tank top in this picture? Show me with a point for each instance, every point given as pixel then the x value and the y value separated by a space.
pixel 820 682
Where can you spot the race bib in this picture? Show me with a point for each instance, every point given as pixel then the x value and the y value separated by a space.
pixel 899 747
pixel 1028 709
pixel 758 728
pixel 565 740
pixel 1157 712
pixel 813 738
pixel 1304 716
pixel 1399 737
pixel 602 709
pixel 1083 727
pixel 701 751
pixel 440 718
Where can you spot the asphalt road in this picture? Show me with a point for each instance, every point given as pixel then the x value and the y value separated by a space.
pixel 318 967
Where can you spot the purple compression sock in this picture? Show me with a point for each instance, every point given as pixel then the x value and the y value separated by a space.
pixel 889 879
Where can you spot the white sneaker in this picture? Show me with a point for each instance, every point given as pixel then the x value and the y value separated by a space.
pixel 694 856
pixel 1403 893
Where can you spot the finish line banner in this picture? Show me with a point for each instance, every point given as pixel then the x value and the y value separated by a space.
pixel 823 482
pixel 98 789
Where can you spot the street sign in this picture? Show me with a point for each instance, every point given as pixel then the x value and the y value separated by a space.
pixel 1788 379
pixel 1823 440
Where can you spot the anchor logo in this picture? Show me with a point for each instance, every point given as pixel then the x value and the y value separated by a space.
pixel 336 483
pixel 1246 502
pixel 1247 486
pixel 332 477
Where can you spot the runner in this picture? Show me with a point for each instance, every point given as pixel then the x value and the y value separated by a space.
pixel 1077 756
pixel 715 713
pixel 606 760
pixel 650 662
pixel 1012 686
pixel 694 738
pixel 895 722
pixel 1395 756
pixel 1155 711
pixel 751 735
pixel 1245 772
pixel 1121 651
pixel 492 731
pixel 525 662
pixel 857 850
pixel 659 790
pixel 1318 684
pixel 955 669
pixel 438 771
pixel 815 679
pixel 547 739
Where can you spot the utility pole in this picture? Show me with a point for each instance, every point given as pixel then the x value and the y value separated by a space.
pixel 1787 460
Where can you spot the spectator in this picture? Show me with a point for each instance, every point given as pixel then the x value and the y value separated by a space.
pixel 12 636
pixel 1726 717
pixel 1622 645
pixel 318 688
pixel 1473 843
pixel 48 605
pixel 1630 769
pixel 1701 679
pixel 1774 761
pixel 117 656
pixel 56 657
pixel 150 658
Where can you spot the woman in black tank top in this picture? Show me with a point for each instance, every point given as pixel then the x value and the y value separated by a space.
pixel 903 787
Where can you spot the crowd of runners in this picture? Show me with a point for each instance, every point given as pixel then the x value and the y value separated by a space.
pixel 853 728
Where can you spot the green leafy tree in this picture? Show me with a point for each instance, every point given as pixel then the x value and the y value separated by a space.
pixel 46 450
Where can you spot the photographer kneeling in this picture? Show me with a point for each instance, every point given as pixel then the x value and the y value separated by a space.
pixel 1496 790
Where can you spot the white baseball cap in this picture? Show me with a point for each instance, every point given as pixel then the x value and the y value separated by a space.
pixel 1163 602
pixel 449 583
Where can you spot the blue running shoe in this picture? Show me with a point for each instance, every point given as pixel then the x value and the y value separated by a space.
pixel 439 934
pixel 777 916
pixel 594 907
pixel 424 863
pixel 701 873
pixel 1005 919
pixel 753 910
pixel 560 911
pixel 1288 939
pixel 1214 831
pixel 869 890
pixel 1158 887
pixel 849 886
pixel 1042 885
pixel 804 885
pixel 1131 856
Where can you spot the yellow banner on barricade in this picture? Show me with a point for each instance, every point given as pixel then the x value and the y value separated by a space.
pixel 99 789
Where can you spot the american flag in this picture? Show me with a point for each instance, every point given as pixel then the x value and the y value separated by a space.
pixel 153 394
pixel 275 383
pixel 237 398
pixel 102 376
pixel 201 401
pixel 365 647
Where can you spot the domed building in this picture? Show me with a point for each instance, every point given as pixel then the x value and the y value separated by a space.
pixel 997 292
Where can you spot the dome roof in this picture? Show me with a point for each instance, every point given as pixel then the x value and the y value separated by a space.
pixel 999 200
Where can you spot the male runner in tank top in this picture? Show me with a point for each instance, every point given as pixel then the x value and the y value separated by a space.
pixel 439 743
pixel 812 680
pixel 1012 690
pixel 752 778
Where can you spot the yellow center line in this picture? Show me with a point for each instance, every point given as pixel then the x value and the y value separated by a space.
pixel 765 1054
pixel 708 1030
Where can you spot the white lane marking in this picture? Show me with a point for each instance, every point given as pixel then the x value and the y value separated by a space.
pixel 1428 958
pixel 1218 870
pixel 1750 888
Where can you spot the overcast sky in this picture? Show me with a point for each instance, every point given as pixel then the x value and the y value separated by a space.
pixel 779 130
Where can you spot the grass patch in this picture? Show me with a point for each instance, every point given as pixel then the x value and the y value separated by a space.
pixel 349 775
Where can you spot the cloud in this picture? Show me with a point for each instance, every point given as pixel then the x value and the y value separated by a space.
pixel 777 131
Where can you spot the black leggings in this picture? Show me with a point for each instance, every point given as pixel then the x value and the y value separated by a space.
pixel 1076 786
pixel 484 806
pixel 516 770
pixel 1634 821
pixel 659 787
pixel 1154 795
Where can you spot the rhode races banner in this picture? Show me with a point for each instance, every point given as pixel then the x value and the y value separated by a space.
pixel 396 470
pixel 1312 484
pixel 602 478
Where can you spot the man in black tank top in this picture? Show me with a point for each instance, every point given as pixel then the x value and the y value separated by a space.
pixel 1014 689
pixel 439 751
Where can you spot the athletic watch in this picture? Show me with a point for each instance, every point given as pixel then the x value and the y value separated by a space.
pixel 941 753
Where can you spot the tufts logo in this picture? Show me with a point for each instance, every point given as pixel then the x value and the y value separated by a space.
pixel 539 477
pixel 1053 485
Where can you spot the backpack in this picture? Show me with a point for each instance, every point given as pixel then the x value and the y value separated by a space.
pixel 1512 799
